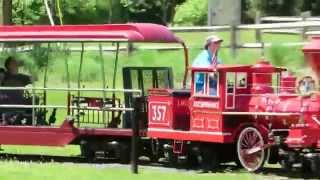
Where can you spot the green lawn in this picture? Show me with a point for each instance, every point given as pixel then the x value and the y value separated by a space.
pixel 39 171
pixel 71 150
pixel 14 170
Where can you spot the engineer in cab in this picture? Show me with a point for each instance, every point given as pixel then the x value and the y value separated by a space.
pixel 208 57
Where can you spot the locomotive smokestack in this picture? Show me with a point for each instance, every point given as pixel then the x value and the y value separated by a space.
pixel 312 55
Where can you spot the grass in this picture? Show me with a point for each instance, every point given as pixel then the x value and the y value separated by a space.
pixel 70 150
pixel 24 170
pixel 196 40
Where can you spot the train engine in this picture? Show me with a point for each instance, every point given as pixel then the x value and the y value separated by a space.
pixel 302 144
pixel 242 113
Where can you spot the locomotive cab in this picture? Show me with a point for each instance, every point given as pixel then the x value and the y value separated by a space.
pixel 205 101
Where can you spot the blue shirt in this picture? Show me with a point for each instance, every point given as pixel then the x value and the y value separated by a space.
pixel 204 60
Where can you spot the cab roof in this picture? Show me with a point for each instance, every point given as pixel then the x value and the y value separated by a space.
pixel 131 32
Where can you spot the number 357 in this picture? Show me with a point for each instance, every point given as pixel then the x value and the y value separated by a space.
pixel 158 112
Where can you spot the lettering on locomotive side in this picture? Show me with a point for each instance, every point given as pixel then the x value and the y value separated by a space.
pixel 205 104
pixel 182 102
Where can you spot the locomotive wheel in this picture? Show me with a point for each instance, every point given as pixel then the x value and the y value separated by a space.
pixel 193 156
pixel 209 159
pixel 286 165
pixel 87 152
pixel 172 158
pixel 124 153
pixel 288 159
pixel 249 140
pixel 315 166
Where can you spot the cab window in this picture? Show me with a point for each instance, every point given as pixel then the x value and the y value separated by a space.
pixel 241 80
pixel 206 83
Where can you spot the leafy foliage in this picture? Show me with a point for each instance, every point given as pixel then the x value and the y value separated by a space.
pixel 250 8
pixel 192 12
pixel 85 11
pixel 28 12
pixel 95 11
pixel 281 7
pixel 312 5
pixel 161 11
pixel 287 56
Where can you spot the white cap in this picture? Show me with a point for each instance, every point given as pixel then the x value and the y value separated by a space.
pixel 211 39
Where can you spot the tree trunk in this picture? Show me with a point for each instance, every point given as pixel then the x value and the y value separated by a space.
pixel 6 12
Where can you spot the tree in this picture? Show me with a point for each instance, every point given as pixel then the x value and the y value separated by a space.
pixel 281 7
pixel 94 11
pixel 7 12
pixel 192 12
pixel 311 5
pixel 161 11
pixel 251 8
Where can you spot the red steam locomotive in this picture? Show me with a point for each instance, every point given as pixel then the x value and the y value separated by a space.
pixel 255 114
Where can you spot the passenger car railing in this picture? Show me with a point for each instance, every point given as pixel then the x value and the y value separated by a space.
pixel 89 113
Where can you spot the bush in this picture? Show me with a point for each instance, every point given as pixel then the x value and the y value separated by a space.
pixel 287 56
pixel 192 12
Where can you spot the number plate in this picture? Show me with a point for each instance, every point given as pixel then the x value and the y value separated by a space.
pixel 158 112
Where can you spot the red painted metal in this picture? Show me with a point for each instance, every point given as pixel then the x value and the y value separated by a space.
pixel 205 115
pixel 288 83
pixel 55 136
pixel 32 135
pixel 132 32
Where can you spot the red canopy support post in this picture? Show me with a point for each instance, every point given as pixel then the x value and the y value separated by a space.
pixel 186 65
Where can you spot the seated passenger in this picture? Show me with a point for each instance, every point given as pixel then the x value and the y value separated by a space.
pixel 13 78
pixel 2 74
